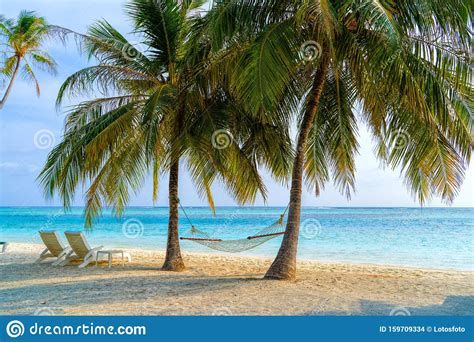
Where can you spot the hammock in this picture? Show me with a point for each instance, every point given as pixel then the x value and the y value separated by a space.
pixel 235 246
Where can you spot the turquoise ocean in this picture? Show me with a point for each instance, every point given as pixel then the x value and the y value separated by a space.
pixel 439 238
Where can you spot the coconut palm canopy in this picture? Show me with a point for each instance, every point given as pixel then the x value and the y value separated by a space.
pixel 400 67
pixel 21 43
pixel 154 112
pixel 251 68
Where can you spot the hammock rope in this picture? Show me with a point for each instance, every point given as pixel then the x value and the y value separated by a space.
pixel 234 246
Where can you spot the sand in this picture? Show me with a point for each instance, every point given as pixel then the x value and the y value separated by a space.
pixel 225 285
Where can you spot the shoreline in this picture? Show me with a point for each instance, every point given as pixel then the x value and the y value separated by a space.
pixel 431 238
pixel 225 285
pixel 270 258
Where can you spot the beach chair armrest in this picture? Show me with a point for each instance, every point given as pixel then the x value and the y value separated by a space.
pixel 66 251
pixel 69 253
pixel 97 249
pixel 93 252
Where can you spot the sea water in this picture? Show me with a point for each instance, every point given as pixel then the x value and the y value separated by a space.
pixel 440 238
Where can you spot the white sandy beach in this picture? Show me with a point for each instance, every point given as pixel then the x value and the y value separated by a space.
pixel 225 285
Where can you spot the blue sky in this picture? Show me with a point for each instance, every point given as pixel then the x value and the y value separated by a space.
pixel 25 117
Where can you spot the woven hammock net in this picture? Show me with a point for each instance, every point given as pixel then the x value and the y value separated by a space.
pixel 235 246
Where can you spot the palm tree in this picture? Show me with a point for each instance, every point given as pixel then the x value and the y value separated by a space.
pixel 21 45
pixel 156 113
pixel 401 67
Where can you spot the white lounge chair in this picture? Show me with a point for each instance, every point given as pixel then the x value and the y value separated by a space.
pixel 54 247
pixel 80 250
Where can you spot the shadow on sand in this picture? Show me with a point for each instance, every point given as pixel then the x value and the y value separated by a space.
pixel 451 306
pixel 35 286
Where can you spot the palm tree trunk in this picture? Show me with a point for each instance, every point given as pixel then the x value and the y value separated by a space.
pixel 10 85
pixel 173 260
pixel 284 265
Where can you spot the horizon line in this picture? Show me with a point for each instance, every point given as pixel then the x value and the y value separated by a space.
pixel 249 207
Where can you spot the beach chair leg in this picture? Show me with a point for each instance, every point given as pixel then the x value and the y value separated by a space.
pixel 85 263
pixel 64 262
pixel 87 260
pixel 44 255
pixel 38 261
pixel 67 259
pixel 129 258
pixel 96 259
pixel 61 257
pixel 58 261
pixel 90 257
